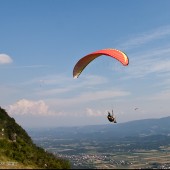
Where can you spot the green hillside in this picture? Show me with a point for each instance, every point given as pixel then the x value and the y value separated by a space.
pixel 18 151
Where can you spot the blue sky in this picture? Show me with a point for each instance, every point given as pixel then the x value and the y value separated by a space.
pixel 42 40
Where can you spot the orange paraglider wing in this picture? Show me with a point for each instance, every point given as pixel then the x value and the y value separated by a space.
pixel 83 62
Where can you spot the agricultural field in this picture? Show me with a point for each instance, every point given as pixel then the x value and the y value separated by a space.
pixel 124 154
pixel 132 145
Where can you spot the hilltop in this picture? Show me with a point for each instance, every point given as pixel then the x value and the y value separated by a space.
pixel 17 149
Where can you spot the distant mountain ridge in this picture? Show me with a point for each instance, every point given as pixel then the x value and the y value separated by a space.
pixel 18 151
pixel 139 128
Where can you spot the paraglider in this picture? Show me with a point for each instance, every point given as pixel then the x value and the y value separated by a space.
pixel 83 62
pixel 111 118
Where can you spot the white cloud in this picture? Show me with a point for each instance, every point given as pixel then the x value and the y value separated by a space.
pixel 105 94
pixel 53 92
pixel 5 59
pixel 84 80
pixel 144 63
pixel 93 113
pixel 162 95
pixel 86 97
pixel 61 84
pixel 162 66
pixel 146 37
pixel 29 107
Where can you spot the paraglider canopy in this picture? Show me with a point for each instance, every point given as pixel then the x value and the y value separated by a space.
pixel 83 62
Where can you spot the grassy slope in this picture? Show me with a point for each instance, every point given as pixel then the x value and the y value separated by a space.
pixel 22 152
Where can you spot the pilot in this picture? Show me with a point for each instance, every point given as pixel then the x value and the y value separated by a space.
pixel 111 118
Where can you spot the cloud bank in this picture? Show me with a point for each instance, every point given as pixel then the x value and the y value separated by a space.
pixel 24 107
